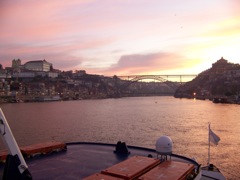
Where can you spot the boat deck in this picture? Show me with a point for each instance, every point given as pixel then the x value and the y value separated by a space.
pixel 81 160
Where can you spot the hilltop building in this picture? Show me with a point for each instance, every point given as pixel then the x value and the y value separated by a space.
pixel 32 69
pixel 16 65
pixel 222 66
pixel 39 65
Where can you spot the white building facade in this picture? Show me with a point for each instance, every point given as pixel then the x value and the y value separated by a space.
pixel 41 65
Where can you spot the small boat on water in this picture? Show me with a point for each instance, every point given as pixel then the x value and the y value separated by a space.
pixel 47 98
pixel 97 161
pixel 220 100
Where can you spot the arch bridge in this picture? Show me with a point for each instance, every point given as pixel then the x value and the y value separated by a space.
pixel 172 81
pixel 169 80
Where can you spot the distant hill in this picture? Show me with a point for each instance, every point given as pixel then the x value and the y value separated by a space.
pixel 221 80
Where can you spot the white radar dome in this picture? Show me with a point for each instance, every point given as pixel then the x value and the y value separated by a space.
pixel 164 145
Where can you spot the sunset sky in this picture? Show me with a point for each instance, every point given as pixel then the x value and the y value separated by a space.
pixel 121 37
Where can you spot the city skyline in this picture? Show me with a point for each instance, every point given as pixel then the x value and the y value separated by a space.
pixel 121 37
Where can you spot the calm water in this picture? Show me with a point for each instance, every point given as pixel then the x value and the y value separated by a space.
pixel 137 121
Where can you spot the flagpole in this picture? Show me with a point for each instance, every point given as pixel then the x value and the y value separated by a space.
pixel 208 143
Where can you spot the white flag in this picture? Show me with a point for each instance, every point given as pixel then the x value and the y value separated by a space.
pixel 213 137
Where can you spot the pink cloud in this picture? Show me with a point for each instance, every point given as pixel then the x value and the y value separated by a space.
pixel 147 63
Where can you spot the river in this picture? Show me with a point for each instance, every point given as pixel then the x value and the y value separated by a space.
pixel 138 121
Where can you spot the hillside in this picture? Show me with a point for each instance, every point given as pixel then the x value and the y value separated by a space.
pixel 221 80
